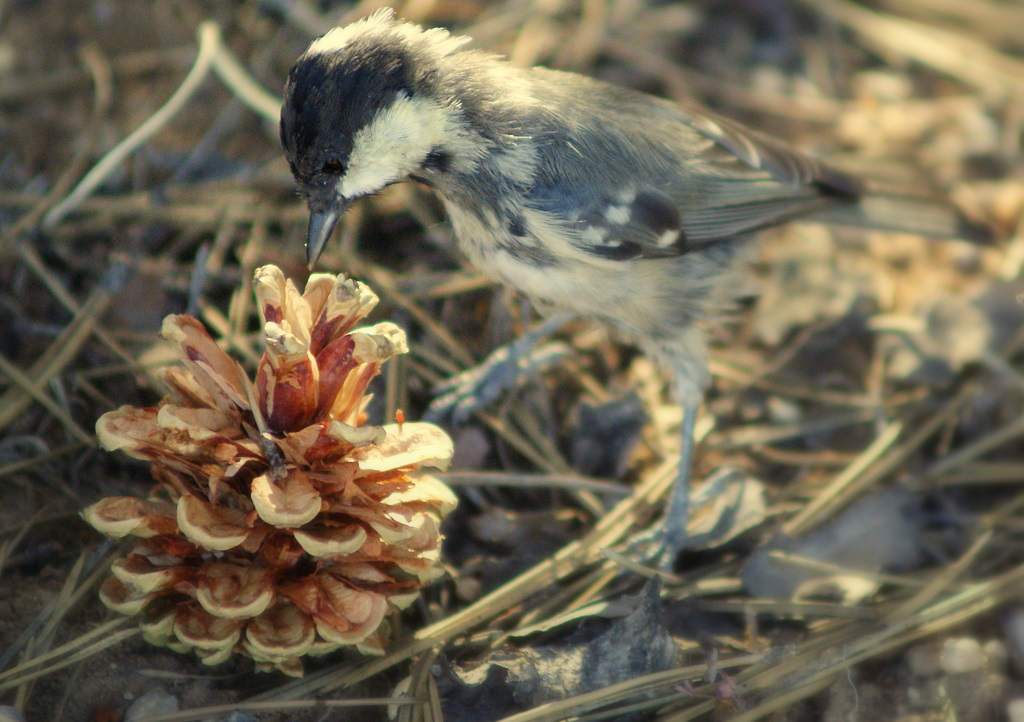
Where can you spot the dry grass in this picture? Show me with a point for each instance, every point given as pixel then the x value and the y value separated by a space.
pixel 140 175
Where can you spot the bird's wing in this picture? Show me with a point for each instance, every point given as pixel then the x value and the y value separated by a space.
pixel 687 181
pixel 798 186
pixel 649 221
pixel 749 181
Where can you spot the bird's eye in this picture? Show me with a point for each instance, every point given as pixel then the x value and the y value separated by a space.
pixel 333 166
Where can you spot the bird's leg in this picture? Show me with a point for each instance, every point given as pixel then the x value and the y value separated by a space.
pixel 678 512
pixel 503 370
pixel 685 356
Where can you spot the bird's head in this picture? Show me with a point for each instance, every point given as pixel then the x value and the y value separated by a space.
pixel 362 110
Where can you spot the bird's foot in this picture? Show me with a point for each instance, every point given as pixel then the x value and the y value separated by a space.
pixel 726 504
pixel 660 545
pixel 505 369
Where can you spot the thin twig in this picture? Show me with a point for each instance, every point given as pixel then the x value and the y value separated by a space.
pixel 211 55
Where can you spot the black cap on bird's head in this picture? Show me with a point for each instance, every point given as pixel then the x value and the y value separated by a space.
pixel 350 121
pixel 329 97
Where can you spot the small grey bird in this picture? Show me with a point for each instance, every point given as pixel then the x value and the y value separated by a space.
pixel 585 196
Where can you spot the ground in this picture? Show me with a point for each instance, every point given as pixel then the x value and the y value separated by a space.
pixel 861 559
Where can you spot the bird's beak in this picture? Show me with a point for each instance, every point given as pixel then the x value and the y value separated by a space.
pixel 321 223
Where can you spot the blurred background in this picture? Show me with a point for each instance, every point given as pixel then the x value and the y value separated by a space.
pixel 864 427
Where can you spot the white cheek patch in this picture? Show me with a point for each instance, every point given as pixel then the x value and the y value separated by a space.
pixel 394 144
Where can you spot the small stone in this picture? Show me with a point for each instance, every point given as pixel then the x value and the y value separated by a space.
pixel 963 654
pixel 156 701
pixel 1015 710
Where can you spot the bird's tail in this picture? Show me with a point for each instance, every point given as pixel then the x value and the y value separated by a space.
pixel 881 210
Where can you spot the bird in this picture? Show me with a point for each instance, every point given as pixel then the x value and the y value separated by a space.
pixel 585 196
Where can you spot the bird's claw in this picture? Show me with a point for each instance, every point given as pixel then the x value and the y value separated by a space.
pixel 503 370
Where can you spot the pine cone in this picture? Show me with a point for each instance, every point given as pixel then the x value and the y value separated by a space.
pixel 281 524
